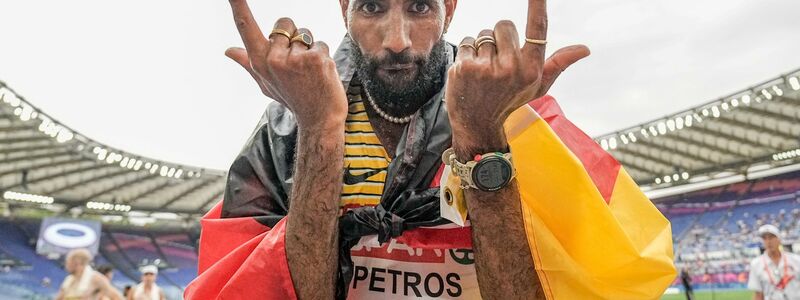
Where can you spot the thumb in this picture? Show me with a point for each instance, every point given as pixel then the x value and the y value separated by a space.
pixel 239 55
pixel 560 61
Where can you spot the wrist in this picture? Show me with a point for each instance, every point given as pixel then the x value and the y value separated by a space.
pixel 468 142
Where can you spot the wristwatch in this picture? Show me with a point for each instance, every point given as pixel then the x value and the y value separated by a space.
pixel 487 172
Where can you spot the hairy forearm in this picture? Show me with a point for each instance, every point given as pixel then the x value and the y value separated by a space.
pixel 503 260
pixel 312 223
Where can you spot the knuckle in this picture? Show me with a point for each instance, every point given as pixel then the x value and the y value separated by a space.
pixel 314 59
pixel 486 32
pixel 541 23
pixel 274 62
pixel 241 22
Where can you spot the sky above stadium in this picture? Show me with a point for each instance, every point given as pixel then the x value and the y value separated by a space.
pixel 150 77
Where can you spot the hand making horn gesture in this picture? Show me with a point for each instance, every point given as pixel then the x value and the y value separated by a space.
pixel 493 76
pixel 290 68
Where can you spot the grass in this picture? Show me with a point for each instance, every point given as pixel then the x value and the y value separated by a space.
pixel 716 295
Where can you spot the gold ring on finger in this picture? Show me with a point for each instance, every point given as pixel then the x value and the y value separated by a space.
pixel 536 42
pixel 303 38
pixel 485 41
pixel 281 32
pixel 484 38
pixel 467 45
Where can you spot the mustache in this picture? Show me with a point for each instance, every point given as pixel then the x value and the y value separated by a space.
pixel 391 58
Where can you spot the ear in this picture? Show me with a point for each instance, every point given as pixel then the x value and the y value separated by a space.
pixel 344 4
pixel 450 9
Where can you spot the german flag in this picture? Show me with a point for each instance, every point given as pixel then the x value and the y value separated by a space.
pixel 592 233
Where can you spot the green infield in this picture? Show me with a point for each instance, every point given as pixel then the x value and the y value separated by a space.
pixel 716 295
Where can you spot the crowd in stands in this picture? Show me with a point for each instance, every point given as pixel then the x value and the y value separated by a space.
pixel 714 230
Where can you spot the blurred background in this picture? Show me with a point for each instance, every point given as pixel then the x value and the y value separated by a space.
pixel 118 121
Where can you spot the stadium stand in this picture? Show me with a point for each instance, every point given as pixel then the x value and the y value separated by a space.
pixel 717 171
pixel 126 250
pixel 716 239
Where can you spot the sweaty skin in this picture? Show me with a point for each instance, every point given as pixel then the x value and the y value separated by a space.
pixel 483 89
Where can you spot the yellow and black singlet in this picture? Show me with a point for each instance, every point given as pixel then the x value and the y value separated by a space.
pixel 365 161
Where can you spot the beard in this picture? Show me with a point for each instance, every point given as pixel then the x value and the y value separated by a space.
pixel 401 94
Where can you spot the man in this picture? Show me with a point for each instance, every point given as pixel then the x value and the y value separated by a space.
pixel 108 272
pixel 773 275
pixel 337 193
pixel 686 281
pixel 83 282
pixel 147 289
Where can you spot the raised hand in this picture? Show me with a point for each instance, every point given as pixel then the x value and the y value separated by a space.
pixel 298 73
pixel 493 77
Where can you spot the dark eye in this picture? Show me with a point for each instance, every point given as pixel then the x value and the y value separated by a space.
pixel 420 7
pixel 370 8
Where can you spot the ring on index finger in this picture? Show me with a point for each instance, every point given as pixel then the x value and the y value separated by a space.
pixel 306 39
pixel 281 32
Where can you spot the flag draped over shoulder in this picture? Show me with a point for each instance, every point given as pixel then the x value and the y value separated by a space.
pixel 593 234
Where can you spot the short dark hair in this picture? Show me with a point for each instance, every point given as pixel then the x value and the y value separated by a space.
pixel 105 269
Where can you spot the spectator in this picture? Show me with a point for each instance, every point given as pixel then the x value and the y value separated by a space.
pixel 773 275
pixel 147 289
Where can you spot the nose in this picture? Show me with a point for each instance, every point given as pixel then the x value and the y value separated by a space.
pixel 396 36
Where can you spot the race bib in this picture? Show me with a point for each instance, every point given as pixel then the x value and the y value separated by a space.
pixel 397 271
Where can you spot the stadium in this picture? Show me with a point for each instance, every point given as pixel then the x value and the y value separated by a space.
pixel 716 171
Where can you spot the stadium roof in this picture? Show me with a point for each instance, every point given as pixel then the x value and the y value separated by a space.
pixel 751 130
pixel 43 160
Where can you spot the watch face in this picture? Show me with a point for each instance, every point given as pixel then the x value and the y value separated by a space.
pixel 491 173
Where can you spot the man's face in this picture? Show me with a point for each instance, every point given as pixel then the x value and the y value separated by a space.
pixel 70 264
pixel 397 44
pixel 148 277
pixel 771 242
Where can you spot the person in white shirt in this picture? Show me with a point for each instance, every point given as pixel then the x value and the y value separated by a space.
pixel 774 274
pixel 147 289
pixel 83 282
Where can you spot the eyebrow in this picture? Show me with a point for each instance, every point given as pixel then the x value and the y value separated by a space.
pixel 357 2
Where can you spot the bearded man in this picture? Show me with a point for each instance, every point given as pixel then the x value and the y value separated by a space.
pixel 337 193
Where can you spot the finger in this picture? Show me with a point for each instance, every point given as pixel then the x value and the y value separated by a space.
pixel 251 34
pixel 507 39
pixel 321 47
pixel 536 29
pixel 466 49
pixel 239 55
pixel 279 40
pixel 560 61
pixel 299 46
pixel 486 49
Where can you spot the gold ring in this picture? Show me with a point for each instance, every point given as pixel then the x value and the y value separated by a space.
pixel 281 32
pixel 484 40
pixel 303 38
pixel 465 45
pixel 536 42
